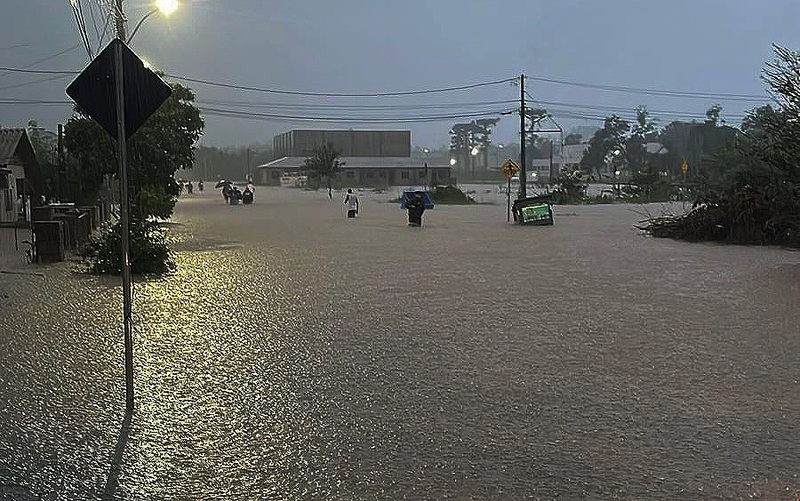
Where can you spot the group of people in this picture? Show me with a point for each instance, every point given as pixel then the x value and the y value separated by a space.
pixel 415 205
pixel 189 187
pixel 234 195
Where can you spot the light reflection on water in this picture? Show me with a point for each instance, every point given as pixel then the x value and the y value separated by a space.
pixel 280 368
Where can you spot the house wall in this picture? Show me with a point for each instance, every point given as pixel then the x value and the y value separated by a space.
pixel 8 197
pixel 350 143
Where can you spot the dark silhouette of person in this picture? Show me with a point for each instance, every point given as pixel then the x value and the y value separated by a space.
pixel 415 206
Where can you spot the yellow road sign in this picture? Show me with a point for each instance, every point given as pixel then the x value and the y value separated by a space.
pixel 509 168
pixel 684 167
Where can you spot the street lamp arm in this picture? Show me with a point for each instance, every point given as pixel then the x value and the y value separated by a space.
pixel 139 24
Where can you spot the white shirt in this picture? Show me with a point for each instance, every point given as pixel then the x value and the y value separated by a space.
pixel 352 201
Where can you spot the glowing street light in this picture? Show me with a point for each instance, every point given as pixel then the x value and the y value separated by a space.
pixel 165 7
pixel 475 151
pixel 452 161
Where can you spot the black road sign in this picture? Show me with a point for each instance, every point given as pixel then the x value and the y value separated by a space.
pixel 94 90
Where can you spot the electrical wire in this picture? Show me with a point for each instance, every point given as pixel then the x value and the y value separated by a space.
pixel 280 117
pixel 23 84
pixel 39 72
pixel 338 94
pixel 657 92
pixel 347 107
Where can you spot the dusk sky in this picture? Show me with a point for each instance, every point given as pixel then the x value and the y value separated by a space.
pixel 379 46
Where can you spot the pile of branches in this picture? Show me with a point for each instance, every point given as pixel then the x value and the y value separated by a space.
pixel 748 216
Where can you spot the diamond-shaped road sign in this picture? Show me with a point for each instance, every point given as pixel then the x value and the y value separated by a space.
pixel 94 90
pixel 509 168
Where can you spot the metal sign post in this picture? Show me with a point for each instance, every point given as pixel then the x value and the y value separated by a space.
pixel 101 91
pixel 509 168
pixel 123 211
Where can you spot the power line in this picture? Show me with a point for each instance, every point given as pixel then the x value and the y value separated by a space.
pixel 40 72
pixel 338 94
pixel 32 82
pixel 271 116
pixel 368 107
pixel 657 92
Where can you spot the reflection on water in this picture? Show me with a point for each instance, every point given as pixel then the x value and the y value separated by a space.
pixel 331 364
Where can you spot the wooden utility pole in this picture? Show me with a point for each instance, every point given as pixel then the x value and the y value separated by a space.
pixel 522 164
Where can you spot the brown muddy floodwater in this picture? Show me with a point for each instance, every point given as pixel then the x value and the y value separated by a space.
pixel 296 354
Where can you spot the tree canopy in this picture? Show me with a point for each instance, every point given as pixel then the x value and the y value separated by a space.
pixel 161 146
pixel 324 164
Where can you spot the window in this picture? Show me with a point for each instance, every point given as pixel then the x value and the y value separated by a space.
pixel 422 173
pixel 404 174
pixel 350 174
pixel 381 173
pixel 370 173
pixel 276 174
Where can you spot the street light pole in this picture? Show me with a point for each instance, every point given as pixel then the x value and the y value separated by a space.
pixel 123 209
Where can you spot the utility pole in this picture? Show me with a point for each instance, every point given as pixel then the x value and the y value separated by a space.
pixel 247 176
pixel 522 191
pixel 119 19
pixel 61 174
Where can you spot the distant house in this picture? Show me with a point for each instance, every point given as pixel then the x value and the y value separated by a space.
pixel 20 178
pixel 372 158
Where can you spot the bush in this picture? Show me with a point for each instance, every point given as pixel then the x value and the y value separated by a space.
pixel 570 188
pixel 149 252
pixel 450 195
pixel 155 201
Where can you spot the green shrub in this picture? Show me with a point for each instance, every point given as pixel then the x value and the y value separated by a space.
pixel 149 253
pixel 450 195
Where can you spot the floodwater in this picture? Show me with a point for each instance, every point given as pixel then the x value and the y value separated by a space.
pixel 296 354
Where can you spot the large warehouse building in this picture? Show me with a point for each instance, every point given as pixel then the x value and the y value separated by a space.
pixel 372 158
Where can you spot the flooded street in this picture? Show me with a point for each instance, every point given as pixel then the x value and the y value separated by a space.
pixel 296 354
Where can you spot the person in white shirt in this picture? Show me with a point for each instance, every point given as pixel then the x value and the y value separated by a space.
pixel 351 201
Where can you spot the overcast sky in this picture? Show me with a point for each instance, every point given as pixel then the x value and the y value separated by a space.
pixel 374 46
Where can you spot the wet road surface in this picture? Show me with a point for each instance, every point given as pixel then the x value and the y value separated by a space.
pixel 296 354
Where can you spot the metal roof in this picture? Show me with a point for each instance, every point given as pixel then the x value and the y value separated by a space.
pixel 356 163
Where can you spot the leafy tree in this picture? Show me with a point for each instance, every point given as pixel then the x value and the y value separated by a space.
pixel 324 165
pixel 636 145
pixel 45 146
pixel 604 142
pixel 712 115
pixel 573 139
pixel 161 146
pixel 751 193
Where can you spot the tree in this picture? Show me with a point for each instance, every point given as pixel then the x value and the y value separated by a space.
pixel 712 115
pixel 324 164
pixel 609 139
pixel 45 146
pixel 161 146
pixel 751 193
pixel 572 139
pixel 636 145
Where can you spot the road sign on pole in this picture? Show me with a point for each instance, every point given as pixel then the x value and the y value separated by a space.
pixel 684 167
pixel 509 168
pixel 120 93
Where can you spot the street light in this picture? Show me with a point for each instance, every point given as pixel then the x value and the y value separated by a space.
pixel 452 161
pixel 165 7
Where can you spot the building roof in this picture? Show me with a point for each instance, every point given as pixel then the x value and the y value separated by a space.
pixel 9 139
pixel 15 147
pixel 356 163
